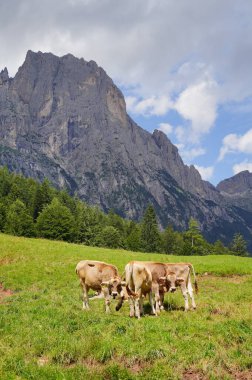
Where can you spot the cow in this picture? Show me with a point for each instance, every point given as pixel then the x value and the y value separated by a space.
pixel 101 277
pixel 182 273
pixel 145 278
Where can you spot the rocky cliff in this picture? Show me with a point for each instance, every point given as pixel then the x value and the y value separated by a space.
pixel 237 190
pixel 63 118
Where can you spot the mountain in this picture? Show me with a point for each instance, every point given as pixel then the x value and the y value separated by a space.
pixel 237 190
pixel 63 118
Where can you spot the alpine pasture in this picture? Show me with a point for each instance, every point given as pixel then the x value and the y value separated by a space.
pixel 45 334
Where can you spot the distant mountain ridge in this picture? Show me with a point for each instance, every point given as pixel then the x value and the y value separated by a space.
pixel 237 190
pixel 63 118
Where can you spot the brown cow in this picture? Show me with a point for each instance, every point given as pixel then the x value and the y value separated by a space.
pixel 144 278
pixel 102 277
pixel 183 279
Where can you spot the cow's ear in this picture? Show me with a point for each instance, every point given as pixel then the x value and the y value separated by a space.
pixel 179 281
pixel 105 283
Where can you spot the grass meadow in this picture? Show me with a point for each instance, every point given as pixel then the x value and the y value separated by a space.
pixel 45 334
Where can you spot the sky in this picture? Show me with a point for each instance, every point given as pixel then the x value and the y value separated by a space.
pixel 184 67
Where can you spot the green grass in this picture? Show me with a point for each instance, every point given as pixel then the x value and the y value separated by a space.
pixel 44 334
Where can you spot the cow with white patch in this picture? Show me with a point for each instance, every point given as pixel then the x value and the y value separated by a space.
pixel 101 277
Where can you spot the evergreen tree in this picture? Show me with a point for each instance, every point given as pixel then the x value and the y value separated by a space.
pixel 168 240
pixel 5 182
pixel 43 196
pixel 2 216
pixel 150 237
pixel 89 223
pixel 56 222
pixel 110 237
pixel 194 241
pixel 238 245
pixel 133 240
pixel 219 248
pixel 18 220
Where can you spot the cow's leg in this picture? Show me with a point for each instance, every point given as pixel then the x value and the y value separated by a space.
pixel 190 291
pixel 155 289
pixel 141 305
pixel 153 310
pixel 185 295
pixel 137 307
pixel 131 305
pixel 105 291
pixel 137 300
pixel 85 295
pixel 161 300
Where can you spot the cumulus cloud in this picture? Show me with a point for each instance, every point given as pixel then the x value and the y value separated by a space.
pixel 198 103
pixel 166 128
pixel 188 155
pixel 205 172
pixel 147 48
pixel 245 165
pixel 236 143
pixel 157 106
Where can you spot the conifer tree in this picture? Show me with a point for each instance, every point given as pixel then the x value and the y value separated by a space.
pixel 168 240
pixel 238 245
pixel 133 240
pixel 56 222
pixel 18 220
pixel 43 196
pixel 110 237
pixel 150 236
pixel 2 216
pixel 5 182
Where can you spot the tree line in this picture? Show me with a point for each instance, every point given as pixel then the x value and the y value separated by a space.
pixel 31 209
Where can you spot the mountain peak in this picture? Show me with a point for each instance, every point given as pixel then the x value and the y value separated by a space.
pixel 63 118
pixel 238 183
pixel 4 76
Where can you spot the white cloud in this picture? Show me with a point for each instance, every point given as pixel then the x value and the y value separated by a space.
pixel 189 154
pixel 166 128
pixel 236 143
pixel 198 104
pixel 205 172
pixel 154 105
pixel 245 165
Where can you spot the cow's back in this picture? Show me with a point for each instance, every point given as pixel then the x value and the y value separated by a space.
pixel 93 273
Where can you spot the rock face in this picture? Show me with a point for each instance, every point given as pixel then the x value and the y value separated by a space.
pixel 63 118
pixel 237 190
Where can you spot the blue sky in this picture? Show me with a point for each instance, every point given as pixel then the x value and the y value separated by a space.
pixel 183 66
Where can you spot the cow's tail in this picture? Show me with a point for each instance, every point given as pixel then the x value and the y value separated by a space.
pixel 195 280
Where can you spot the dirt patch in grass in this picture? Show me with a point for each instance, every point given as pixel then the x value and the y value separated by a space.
pixel 192 374
pixel 43 360
pixel 241 375
pixel 232 278
pixel 134 364
pixel 6 260
pixel 4 292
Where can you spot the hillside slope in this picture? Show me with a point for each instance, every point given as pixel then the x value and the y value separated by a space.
pixel 45 334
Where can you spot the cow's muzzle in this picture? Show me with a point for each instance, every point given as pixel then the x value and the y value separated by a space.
pixel 172 290
pixel 114 295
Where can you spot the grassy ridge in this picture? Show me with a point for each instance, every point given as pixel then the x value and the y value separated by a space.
pixel 45 334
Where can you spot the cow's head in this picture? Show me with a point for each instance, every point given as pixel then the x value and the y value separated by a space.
pixel 114 286
pixel 170 282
